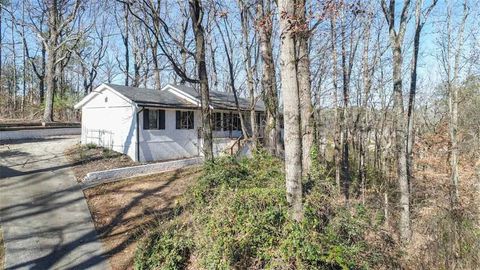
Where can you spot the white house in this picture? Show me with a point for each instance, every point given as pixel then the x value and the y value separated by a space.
pixel 154 125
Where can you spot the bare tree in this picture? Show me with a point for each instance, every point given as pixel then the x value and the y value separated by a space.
pixel 420 19
pixel 228 49
pixel 249 68
pixel 396 43
pixel 291 107
pixel 304 86
pixel 269 86
pixel 91 58
pixel 59 21
pixel 451 42
pixel 196 14
pixel 337 145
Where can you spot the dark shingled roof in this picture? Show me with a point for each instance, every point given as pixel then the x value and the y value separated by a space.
pixel 146 96
pixel 219 100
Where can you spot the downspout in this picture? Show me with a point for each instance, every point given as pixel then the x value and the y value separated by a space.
pixel 138 133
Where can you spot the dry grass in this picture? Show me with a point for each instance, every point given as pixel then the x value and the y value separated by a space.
pixel 124 211
pixel 88 158
pixel 443 236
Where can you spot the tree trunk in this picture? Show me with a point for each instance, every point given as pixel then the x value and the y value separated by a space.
pixel 196 14
pixel 453 104
pixel 291 110
pixel 396 41
pixel 248 70
pixel 413 86
pixel 344 133
pixel 363 134
pixel 400 140
pixel 125 39
pixel 14 56
pixel 50 68
pixel 268 81
pixel 337 150
pixel 24 59
pixel 42 77
pixel 304 87
pixel 156 73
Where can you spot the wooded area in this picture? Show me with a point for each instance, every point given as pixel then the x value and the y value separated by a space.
pixel 382 97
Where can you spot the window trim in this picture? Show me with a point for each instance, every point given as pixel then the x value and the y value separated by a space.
pixel 160 119
pixel 178 120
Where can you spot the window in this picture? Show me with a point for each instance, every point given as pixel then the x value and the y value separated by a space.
pixel 231 122
pixel 217 118
pixel 236 125
pixel 184 120
pixel 153 119
pixel 227 119
pixel 261 121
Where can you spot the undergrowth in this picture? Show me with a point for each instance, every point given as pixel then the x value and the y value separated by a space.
pixel 238 219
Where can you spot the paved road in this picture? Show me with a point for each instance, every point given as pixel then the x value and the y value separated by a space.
pixel 44 216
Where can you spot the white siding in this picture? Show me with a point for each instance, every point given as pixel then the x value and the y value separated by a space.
pixel 169 143
pixel 109 121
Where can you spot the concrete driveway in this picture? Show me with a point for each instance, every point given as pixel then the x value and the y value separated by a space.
pixel 44 216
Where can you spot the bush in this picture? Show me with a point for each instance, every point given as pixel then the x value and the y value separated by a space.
pixel 168 249
pixel 91 146
pixel 238 219
pixel 242 231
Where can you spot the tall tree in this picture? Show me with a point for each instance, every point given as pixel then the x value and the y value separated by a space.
pixel 291 107
pixel 304 86
pixel 264 26
pixel 420 19
pixel 14 59
pixel 347 61
pixel 452 43
pixel 396 44
pixel 196 14
pixel 337 129
pixel 249 68
pixel 58 22
pixel 229 51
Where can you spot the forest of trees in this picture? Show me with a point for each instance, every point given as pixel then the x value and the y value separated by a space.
pixel 386 93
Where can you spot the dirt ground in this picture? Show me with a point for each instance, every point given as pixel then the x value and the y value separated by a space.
pixel 88 158
pixel 124 210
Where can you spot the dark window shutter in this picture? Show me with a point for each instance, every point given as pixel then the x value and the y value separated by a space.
pixel 146 123
pixel 161 119
pixel 177 120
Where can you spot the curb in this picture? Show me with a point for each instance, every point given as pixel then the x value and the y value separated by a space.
pixel 100 177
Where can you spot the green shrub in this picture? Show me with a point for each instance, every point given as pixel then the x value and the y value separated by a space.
pixel 242 229
pixel 238 219
pixel 229 173
pixel 168 248
pixel 91 146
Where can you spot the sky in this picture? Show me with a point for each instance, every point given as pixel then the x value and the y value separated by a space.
pixel 430 71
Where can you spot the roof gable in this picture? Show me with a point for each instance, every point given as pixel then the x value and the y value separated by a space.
pixel 99 91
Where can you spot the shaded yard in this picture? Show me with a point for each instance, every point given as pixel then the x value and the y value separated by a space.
pixel 124 211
